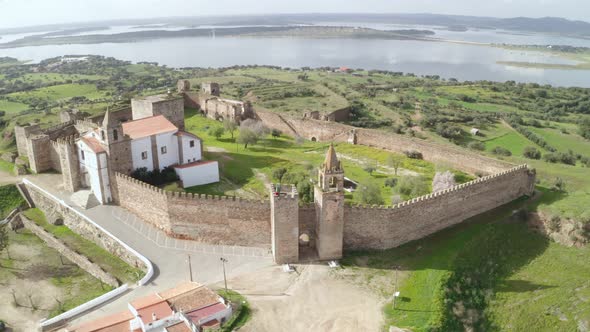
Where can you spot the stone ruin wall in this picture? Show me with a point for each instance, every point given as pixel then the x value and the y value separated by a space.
pixel 389 227
pixel 331 131
pixel 73 221
pixel 209 219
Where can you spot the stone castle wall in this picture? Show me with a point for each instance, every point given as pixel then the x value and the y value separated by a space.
pixel 331 131
pixel 79 225
pixel 209 219
pixel 389 227
pixel 217 108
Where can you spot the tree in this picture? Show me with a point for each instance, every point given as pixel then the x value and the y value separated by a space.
pixel 476 145
pixel 584 128
pixel 275 133
pixel 370 169
pixel 559 184
pixel 247 136
pixel 442 181
pixel 217 132
pixel 412 186
pixel 370 193
pixel 498 150
pixel 279 173
pixel 395 162
pixel 531 152
pixel 230 126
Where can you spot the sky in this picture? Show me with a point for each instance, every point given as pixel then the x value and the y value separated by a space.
pixel 17 13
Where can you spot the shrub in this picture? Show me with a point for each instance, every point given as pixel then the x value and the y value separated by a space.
pixel 156 177
pixel 216 132
pixel 500 151
pixel 559 184
pixel 476 145
pixel 531 152
pixel 370 169
pixel 412 186
pixel 551 157
pixel 391 182
pixel 279 173
pixel 413 154
pixel 370 193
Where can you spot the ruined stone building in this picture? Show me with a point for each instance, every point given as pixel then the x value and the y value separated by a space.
pixel 88 152
pixel 208 100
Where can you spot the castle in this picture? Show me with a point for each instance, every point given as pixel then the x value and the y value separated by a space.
pixel 88 152
pixel 101 152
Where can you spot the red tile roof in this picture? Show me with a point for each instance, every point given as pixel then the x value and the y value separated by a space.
pixel 161 310
pixel 118 322
pixel 145 127
pixel 178 327
pixel 93 144
pixel 184 133
pixel 195 164
pixel 199 314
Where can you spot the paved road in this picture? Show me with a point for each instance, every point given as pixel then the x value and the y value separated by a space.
pixel 170 257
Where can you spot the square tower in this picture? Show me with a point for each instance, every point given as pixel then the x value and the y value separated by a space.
pixel 329 201
pixel 284 219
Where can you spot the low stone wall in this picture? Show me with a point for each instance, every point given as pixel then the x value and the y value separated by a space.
pixel 456 157
pixel 82 261
pixel 389 227
pixel 209 219
pixel 82 227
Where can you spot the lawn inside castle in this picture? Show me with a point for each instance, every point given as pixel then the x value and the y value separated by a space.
pixel 246 172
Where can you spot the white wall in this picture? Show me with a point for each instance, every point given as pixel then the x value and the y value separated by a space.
pixel 199 175
pixel 137 147
pixel 104 173
pixel 190 154
pixel 170 141
pixel 91 165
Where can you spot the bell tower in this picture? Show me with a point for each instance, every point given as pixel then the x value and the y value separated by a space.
pixel 329 201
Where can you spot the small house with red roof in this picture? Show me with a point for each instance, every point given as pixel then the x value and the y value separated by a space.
pixel 189 307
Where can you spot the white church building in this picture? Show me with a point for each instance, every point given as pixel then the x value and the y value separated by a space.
pixel 155 143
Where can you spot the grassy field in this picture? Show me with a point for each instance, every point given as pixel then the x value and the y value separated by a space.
pixel 11 199
pixel 563 141
pixel 109 262
pixel 479 274
pixel 12 107
pixel 38 270
pixel 247 171
pixel 242 312
pixel 60 92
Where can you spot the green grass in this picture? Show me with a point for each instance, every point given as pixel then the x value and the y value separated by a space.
pixel 12 107
pixel 6 167
pixel 245 170
pixel 512 141
pixel 515 279
pixel 240 316
pixel 10 199
pixel 75 285
pixel 61 92
pixel 563 142
pixel 109 262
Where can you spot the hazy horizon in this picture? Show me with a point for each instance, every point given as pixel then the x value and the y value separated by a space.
pixel 25 13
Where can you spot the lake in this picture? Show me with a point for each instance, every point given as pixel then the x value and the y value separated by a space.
pixel 449 60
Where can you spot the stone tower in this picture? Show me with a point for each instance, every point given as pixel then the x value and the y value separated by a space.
pixel 111 130
pixel 211 89
pixel 329 201
pixel 284 219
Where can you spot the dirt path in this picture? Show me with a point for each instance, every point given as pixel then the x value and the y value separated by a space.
pixel 6 178
pixel 310 300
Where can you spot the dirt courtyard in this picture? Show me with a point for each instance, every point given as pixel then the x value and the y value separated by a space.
pixel 311 299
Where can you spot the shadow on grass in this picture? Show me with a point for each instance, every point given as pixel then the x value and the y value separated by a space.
pixel 457 265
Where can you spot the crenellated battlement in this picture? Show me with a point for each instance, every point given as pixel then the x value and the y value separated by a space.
pixel 57 127
pixel 437 195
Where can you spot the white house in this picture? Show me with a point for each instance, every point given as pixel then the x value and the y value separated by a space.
pixel 94 167
pixel 157 143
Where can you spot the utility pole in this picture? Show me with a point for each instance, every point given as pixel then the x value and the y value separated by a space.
pixel 223 261
pixel 190 268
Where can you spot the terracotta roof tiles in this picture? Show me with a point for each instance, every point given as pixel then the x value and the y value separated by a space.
pixel 145 127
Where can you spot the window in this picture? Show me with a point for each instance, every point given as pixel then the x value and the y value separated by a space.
pixel 115 135
pixel 144 155
pixel 192 144
pixel 163 150
pixel 82 154
pixel 102 134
